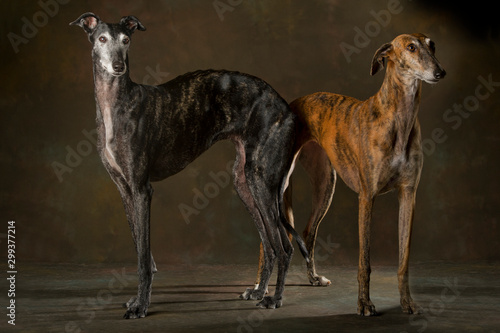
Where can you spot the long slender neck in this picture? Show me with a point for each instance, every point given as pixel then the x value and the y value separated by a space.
pixel 399 98
pixel 110 90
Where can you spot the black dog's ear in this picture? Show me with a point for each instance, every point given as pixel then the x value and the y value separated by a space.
pixel 379 58
pixel 131 23
pixel 87 21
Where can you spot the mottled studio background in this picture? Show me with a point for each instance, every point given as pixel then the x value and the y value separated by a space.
pixel 48 111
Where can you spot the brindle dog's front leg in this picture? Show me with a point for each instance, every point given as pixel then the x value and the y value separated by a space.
pixel 365 305
pixel 406 209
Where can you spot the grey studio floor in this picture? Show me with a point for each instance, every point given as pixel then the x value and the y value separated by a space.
pixel 455 297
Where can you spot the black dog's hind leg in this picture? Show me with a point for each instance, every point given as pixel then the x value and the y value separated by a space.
pixel 281 246
pixel 243 189
pixel 264 170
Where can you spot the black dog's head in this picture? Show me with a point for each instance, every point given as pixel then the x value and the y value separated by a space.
pixel 110 41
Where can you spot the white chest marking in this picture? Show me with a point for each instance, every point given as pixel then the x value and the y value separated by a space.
pixel 108 127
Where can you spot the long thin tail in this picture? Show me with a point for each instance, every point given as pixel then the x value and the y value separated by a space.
pixel 298 239
pixel 284 220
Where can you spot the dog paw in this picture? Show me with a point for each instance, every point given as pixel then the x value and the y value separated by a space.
pixel 135 310
pixel 270 302
pixel 410 307
pixel 130 302
pixel 256 286
pixel 366 308
pixel 252 294
pixel 320 281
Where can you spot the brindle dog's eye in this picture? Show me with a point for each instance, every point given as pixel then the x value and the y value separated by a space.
pixel 126 40
pixel 103 39
pixel 411 48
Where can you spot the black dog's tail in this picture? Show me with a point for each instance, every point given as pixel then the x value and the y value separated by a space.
pixel 298 239
pixel 284 220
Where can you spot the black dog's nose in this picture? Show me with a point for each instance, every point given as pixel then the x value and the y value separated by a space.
pixel 118 66
pixel 439 74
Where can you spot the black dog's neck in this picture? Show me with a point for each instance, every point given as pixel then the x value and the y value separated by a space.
pixel 109 89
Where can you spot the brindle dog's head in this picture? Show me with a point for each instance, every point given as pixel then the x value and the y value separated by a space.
pixel 412 55
pixel 110 41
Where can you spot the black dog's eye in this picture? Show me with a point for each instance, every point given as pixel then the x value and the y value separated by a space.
pixel 103 39
pixel 126 40
pixel 411 48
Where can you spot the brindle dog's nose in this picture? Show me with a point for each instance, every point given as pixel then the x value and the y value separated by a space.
pixel 439 74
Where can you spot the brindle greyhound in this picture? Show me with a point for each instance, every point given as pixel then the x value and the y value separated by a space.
pixel 148 133
pixel 375 147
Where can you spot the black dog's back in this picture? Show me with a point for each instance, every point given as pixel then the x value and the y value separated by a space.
pixel 210 105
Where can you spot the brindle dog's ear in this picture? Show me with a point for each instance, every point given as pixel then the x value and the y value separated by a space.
pixel 131 23
pixel 88 22
pixel 379 58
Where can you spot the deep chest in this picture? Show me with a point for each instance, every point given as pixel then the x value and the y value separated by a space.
pixel 106 99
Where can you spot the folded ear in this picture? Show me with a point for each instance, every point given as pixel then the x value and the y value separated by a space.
pixel 379 58
pixel 131 23
pixel 87 21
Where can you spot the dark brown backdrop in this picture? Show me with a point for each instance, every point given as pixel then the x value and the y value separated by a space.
pixel 299 47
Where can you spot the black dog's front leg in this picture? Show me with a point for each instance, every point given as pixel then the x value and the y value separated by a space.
pixel 137 203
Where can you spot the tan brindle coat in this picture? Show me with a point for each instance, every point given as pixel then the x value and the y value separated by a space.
pixel 374 146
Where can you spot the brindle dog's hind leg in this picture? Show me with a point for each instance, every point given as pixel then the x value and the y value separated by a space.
pixel 323 177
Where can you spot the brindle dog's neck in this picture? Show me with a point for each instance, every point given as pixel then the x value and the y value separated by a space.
pixel 399 97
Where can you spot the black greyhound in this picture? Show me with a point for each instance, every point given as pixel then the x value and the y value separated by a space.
pixel 148 133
